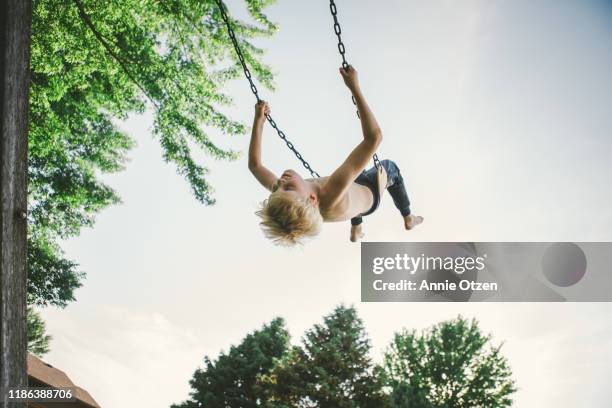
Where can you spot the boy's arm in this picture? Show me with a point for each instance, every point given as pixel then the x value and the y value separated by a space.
pixel 261 173
pixel 340 180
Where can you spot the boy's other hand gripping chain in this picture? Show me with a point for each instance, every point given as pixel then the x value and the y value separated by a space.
pixel 262 109
pixel 350 77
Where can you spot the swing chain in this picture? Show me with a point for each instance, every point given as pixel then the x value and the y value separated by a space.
pixel 249 77
pixel 338 31
pixel 345 64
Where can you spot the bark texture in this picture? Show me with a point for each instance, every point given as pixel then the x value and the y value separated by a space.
pixel 15 20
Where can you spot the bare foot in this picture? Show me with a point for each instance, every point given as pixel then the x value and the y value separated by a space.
pixel 411 221
pixel 356 233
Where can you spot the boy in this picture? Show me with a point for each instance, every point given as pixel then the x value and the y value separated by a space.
pixel 297 207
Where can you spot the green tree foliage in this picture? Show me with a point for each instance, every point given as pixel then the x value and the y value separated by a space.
pixel 38 340
pixel 96 61
pixel 230 381
pixel 332 369
pixel 451 365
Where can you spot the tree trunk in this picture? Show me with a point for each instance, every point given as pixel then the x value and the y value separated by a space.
pixel 15 20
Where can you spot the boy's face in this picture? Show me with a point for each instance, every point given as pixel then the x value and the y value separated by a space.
pixel 292 183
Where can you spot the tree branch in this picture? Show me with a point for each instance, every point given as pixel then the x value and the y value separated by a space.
pixel 87 20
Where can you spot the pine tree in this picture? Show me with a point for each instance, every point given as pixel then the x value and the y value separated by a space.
pixel 230 380
pixel 332 368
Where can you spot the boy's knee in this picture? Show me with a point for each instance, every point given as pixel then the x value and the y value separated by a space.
pixel 393 172
pixel 392 165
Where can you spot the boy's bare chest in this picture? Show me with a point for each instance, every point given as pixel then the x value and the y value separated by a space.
pixel 358 199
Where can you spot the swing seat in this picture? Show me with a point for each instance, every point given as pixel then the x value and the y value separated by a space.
pixel 382 180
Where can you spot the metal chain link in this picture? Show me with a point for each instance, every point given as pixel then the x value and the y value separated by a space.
pixel 249 77
pixel 345 64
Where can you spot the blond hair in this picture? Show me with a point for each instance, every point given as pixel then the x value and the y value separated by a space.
pixel 287 220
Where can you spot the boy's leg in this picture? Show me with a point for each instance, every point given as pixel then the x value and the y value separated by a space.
pixel 356 230
pixel 396 188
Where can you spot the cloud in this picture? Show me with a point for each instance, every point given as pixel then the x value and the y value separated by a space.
pixel 123 357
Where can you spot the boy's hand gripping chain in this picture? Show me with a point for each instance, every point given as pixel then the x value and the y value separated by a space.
pixel 249 77
pixel 342 50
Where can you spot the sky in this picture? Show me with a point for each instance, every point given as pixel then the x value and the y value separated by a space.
pixel 499 114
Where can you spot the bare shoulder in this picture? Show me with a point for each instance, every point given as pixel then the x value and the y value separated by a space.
pixel 327 197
